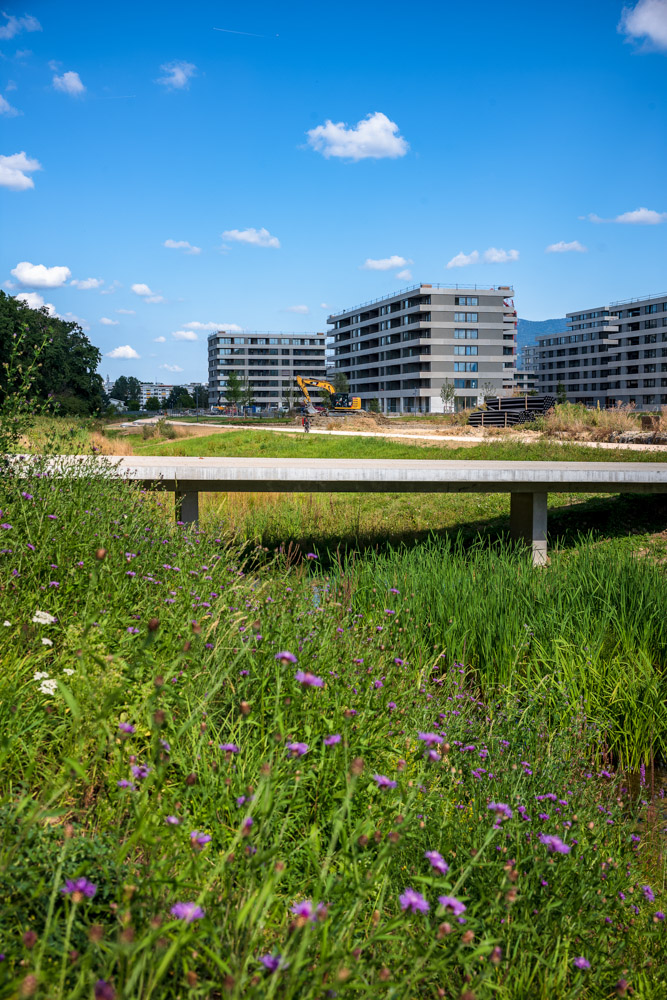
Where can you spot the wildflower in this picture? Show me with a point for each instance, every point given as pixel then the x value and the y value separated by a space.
pixel 453 904
pixel 658 915
pixel 172 820
pixel 124 783
pixel 330 741
pixel 68 670
pixel 228 747
pixel 384 782
pixel 437 861
pixel 7 624
pixel 140 771
pixel 430 739
pixel 286 657
pixel 581 963
pixel 39 675
pixel 378 683
pixel 398 661
pixel 297 749
pixel 306 910
pixel 413 901
pixel 501 810
pixel 393 590
pixel 187 912
pixel 47 642
pixel 199 840
pixel 104 990
pixel 272 962
pixel 311 555
pixel 48 687
pixel 554 843
pixel 391 706
pixel 308 680
pixel 165 746
pixel 648 893
pixel 43 618
pixel 126 727
pixel 78 888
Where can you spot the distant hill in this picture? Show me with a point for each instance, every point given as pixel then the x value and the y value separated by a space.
pixel 528 329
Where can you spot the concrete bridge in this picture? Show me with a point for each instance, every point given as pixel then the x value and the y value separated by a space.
pixel 528 483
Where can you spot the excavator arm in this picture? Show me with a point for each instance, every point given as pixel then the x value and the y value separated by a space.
pixel 341 402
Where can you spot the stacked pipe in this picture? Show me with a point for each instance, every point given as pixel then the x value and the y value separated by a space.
pixel 508 411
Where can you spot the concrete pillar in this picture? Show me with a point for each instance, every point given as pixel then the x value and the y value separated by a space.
pixel 187 507
pixel 528 523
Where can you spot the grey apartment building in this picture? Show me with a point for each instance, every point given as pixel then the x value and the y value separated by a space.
pixel 611 355
pixel 403 348
pixel 267 362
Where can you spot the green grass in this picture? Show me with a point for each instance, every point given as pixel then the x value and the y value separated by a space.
pixel 265 444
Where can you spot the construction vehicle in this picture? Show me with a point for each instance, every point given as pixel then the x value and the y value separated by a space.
pixel 341 402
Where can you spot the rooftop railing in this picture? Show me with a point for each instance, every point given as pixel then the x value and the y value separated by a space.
pixel 642 298
pixel 506 289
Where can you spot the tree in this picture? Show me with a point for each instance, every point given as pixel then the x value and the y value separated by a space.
pixel 134 405
pixel 447 395
pixel 289 397
pixel 234 389
pixel 126 389
pixel 248 397
pixel 67 368
pixel 561 393
pixel 185 400
pixel 174 395
pixel 374 405
pixel 153 403
pixel 200 395
pixel 489 389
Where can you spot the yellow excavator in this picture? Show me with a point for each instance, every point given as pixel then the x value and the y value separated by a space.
pixel 341 402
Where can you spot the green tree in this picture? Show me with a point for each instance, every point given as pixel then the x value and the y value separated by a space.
pixel 125 389
pixel 248 398
pixel 448 395
pixel 185 400
pixel 134 405
pixel 374 406
pixel 561 393
pixel 153 403
pixel 66 372
pixel 234 389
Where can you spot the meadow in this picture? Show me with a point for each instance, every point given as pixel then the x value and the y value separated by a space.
pixel 234 767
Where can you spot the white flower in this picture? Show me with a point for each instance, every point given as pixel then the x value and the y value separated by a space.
pixel 48 687
pixel 7 624
pixel 39 675
pixel 43 618
pixel 47 642
pixel 69 671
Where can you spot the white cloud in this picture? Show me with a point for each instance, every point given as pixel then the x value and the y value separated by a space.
pixel 255 237
pixel 374 137
pixel 324 305
pixel 639 217
pixel 69 83
pixel 178 74
pixel 15 25
pixel 125 312
pixel 301 310
pixel 405 275
pixel 105 321
pixel 35 301
pixel 159 340
pixel 7 109
pixel 85 283
pixel 562 247
pixel 495 256
pixel 646 21
pixel 14 170
pixel 127 353
pixel 73 318
pixel 39 276
pixel 181 245
pixel 112 288
pixel 184 335
pixel 210 327
pixel 171 368
pixel 463 259
pixel 384 263
pixel 146 294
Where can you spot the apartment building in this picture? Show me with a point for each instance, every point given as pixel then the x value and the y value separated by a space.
pixel 402 349
pixel 267 362
pixel 161 391
pixel 610 355
pixel 525 381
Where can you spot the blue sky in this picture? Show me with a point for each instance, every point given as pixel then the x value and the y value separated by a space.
pixel 345 152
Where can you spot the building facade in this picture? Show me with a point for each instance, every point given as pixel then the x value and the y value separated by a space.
pixel 402 349
pixel 161 390
pixel 267 363
pixel 609 356
pixel 525 381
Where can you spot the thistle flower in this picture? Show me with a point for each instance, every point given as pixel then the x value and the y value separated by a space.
pixel 501 810
pixel 306 910
pixel 297 749
pixel 412 900
pixel 285 657
pixel 648 893
pixel 187 912
pixel 437 861
pixel 384 782
pixel 330 741
pixel 229 747
pixel 172 820
pixel 126 727
pixel 140 771
pixel 581 963
pixel 199 840
pixel 77 888
pixel 453 904
pixel 104 990
pixel 430 739
pixel 308 680
pixel 272 962
pixel 554 843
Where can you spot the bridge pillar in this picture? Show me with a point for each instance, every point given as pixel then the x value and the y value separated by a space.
pixel 528 523
pixel 187 507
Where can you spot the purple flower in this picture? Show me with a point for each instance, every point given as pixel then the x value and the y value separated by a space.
pixel 124 783
pixel 79 887
pixel 297 749
pixel 286 657
pixel 272 962
pixel 413 901
pixel 453 904
pixel 658 915
pixel 140 771
pixel 228 747
pixel 187 912
pixel 398 661
pixel 199 840
pixel 165 746
pixel 330 741
pixel 126 727
pixel 172 820
pixel 305 909
pixel 501 810
pixel 308 680
pixel 104 990
pixel 430 739
pixel 437 861
pixel 648 893
pixel 582 963
pixel 554 843
pixel 384 782
pixel 393 590
pixel 391 705
pixel 311 555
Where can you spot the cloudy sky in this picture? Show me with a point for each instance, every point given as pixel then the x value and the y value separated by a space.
pixel 170 169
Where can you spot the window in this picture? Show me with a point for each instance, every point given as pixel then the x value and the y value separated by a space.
pixel 465 383
pixel 459 349
pixel 465 317
pixel 466 300
pixel 466 334
pixel 652 308
pixel 471 348
pixel 649 383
